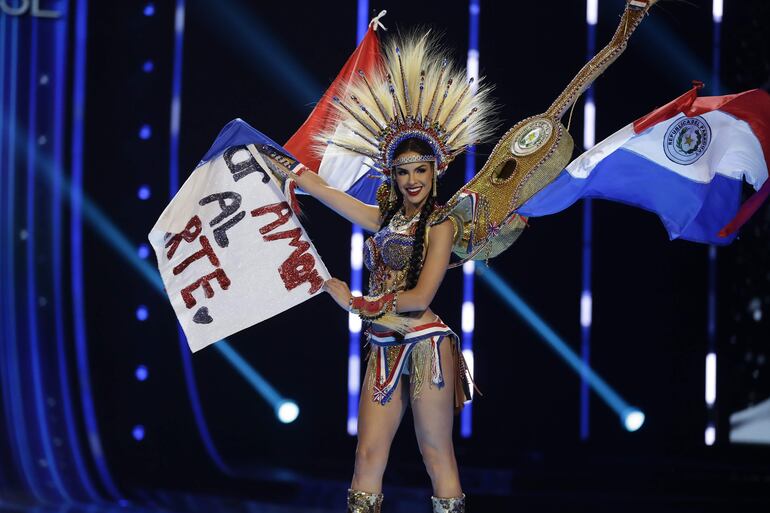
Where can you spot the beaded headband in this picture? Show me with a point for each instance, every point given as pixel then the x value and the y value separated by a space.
pixel 414 158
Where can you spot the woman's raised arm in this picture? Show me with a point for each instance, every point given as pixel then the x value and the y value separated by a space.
pixel 352 209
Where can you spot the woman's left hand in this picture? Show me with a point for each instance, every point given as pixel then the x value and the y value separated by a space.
pixel 340 291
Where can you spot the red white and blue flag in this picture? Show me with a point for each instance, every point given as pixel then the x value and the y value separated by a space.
pixel 339 169
pixel 685 161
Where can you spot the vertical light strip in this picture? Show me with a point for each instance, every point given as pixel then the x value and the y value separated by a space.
pixel 41 409
pixel 5 253
pixel 76 249
pixel 711 359
pixel 354 328
pixel 716 10
pixel 592 12
pixel 4 387
pixel 589 121
pixel 176 96
pixel 356 277
pixel 711 379
pixel 20 444
pixel 586 298
pixel 58 82
pixel 468 307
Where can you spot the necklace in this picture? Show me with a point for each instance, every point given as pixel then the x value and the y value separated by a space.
pixel 400 220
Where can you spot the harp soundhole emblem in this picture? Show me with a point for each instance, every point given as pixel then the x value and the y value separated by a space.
pixel 531 136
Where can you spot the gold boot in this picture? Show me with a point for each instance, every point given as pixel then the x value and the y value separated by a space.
pixel 451 505
pixel 364 502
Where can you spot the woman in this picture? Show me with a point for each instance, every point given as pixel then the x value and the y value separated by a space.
pixel 433 115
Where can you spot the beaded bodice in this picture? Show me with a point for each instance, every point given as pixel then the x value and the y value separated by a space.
pixel 387 254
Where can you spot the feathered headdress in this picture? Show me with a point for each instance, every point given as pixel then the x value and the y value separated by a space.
pixel 416 93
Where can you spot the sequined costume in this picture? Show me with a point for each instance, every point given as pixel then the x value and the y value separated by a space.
pixel 386 256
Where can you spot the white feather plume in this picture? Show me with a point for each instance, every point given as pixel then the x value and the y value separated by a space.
pixel 368 112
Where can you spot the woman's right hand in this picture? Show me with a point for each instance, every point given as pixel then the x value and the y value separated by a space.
pixel 339 291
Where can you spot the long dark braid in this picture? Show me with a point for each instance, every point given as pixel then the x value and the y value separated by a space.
pixel 415 260
pixel 394 208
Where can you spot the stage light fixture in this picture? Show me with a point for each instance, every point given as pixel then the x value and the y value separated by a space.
pixel 633 419
pixel 589 123
pixel 144 192
pixel 468 317
pixel 586 309
pixel 357 250
pixel 149 9
pixel 592 12
pixel 710 435
pixel 287 411
pixel 711 379
pixel 148 66
pixel 143 251
pixel 138 432
pixel 354 321
pixel 142 313
pixel 142 373
pixel 145 132
pixel 755 308
pixel 716 11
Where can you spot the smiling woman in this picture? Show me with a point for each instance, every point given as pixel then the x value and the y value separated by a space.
pixel 415 173
pixel 435 115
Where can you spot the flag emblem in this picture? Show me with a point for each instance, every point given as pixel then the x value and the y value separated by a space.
pixel 531 136
pixel 687 139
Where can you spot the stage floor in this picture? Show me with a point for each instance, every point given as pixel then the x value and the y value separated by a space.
pixel 595 503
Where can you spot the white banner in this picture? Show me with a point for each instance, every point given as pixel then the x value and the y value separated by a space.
pixel 230 250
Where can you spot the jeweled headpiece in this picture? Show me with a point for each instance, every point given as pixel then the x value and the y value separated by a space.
pixel 416 93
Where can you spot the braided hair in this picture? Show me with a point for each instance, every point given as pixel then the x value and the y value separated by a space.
pixel 415 260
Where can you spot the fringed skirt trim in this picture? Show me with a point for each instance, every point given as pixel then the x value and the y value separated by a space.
pixel 417 354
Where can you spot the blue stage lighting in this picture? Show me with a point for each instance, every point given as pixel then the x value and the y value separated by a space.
pixel 148 66
pixel 149 9
pixel 356 276
pixel 142 373
pixel 145 132
pixel 138 432
pixel 143 251
pixel 106 229
pixel 287 411
pixel 253 36
pixel 144 192
pixel 633 419
pixel 142 313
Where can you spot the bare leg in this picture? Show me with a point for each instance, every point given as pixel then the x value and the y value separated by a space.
pixel 433 414
pixel 377 424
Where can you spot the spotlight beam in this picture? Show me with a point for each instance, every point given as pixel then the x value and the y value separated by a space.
pixel 110 233
pixel 249 35
pixel 681 64
pixel 107 230
pixel 517 304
